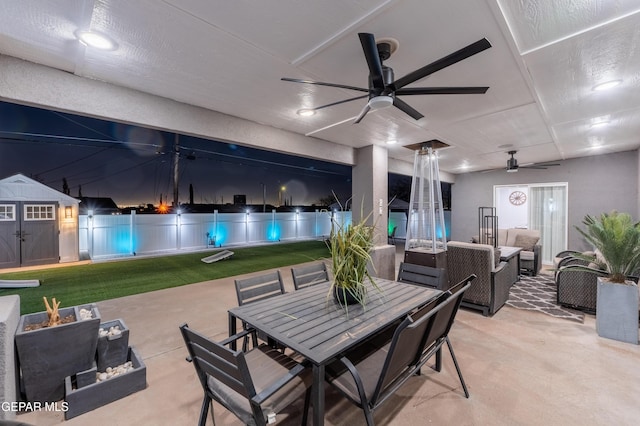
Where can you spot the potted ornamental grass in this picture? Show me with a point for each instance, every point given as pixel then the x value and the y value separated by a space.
pixel 616 239
pixel 350 246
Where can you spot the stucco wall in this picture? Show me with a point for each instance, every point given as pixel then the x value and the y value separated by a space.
pixel 596 185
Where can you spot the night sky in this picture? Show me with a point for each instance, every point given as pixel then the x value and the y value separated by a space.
pixel 134 165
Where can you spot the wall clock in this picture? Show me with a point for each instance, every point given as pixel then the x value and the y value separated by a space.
pixel 517 198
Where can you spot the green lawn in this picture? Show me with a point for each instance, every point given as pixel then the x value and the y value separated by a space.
pixel 75 285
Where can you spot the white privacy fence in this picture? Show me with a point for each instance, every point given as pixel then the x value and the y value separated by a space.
pixel 103 236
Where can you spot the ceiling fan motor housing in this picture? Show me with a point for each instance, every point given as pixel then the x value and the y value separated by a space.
pixel 512 165
pixel 387 77
pixel 384 50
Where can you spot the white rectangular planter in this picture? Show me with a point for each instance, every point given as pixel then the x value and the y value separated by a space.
pixel 617 311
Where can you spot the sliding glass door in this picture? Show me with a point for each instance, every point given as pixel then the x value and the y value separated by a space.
pixel 535 206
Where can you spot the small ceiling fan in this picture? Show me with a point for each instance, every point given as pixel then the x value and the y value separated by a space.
pixel 512 164
pixel 383 90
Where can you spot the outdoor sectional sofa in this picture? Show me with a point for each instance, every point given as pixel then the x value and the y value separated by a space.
pixel 528 240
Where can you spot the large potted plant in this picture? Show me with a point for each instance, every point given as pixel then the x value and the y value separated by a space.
pixel 350 248
pixel 616 239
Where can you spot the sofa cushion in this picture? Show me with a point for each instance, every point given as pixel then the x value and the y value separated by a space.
pixel 526 242
pixel 527 255
pixel 503 235
pixel 514 232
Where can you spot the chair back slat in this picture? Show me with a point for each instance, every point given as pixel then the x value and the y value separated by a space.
pixel 305 276
pixel 213 359
pixel 259 287
pixel 423 275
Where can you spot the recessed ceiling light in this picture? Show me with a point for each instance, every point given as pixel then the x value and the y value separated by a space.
pixel 305 112
pixel 606 85
pixel 597 124
pixel 97 40
pixel 392 142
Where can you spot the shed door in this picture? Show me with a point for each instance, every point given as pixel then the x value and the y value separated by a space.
pixel 9 235
pixel 39 234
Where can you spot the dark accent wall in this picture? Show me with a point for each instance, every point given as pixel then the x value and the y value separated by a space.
pixel 596 185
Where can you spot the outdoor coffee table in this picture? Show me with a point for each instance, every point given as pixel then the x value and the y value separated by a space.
pixel 316 327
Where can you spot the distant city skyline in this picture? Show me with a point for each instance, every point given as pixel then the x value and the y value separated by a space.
pixel 134 165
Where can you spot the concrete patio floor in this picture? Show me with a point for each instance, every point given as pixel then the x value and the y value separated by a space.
pixel 522 368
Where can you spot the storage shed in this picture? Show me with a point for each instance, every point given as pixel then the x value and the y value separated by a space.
pixel 38 225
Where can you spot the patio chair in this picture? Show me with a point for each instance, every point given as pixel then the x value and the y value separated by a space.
pixel 254 385
pixel 305 276
pixel 423 275
pixel 369 382
pixel 257 288
pixel 392 236
pixel 577 289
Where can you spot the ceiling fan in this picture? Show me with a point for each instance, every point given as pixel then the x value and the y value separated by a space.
pixel 512 164
pixel 383 90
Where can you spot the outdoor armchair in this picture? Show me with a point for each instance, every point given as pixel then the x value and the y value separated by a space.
pixel 368 382
pixel 490 290
pixel 252 385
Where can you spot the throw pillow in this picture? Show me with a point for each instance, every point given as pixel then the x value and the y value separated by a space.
pixel 525 242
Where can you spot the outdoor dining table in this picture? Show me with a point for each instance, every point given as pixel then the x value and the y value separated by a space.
pixel 311 323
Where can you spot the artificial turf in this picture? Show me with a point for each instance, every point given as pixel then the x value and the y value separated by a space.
pixel 81 284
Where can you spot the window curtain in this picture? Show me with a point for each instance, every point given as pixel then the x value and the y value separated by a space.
pixel 548 214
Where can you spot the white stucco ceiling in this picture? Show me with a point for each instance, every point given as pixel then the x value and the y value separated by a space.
pixel 545 58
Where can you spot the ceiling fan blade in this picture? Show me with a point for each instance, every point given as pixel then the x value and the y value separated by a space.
pixel 538 166
pixel 320 83
pixel 370 49
pixel 338 103
pixel 364 112
pixel 405 107
pixel 442 91
pixel 448 60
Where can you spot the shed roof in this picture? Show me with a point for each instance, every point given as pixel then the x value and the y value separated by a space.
pixel 21 188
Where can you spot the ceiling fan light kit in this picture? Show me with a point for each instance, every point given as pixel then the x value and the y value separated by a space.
pixel 379 102
pixel 383 90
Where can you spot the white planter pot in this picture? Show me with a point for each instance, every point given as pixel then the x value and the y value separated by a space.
pixel 617 311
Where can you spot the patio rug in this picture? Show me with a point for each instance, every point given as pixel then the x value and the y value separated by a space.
pixel 539 294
